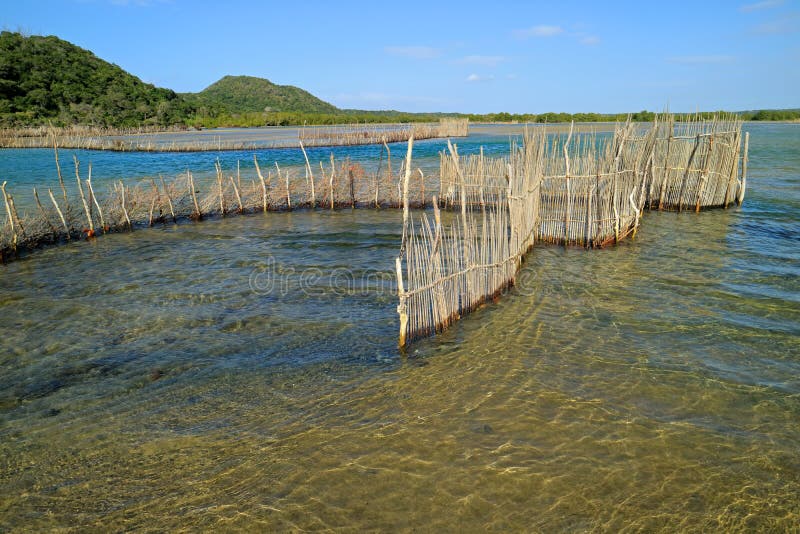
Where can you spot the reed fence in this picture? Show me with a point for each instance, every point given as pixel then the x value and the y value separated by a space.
pixel 143 140
pixel 451 270
pixel 78 208
pixel 696 164
pixel 367 134
pixel 580 190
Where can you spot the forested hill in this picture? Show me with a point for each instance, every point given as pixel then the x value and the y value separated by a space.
pixel 47 78
pixel 247 94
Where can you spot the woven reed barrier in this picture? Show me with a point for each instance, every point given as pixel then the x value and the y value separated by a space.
pixel 581 190
pixel 593 191
pixel 364 134
pixel 77 209
pixel 450 270
pixel 141 140
pixel 696 163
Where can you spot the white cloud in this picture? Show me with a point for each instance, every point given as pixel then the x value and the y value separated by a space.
pixel 766 4
pixel 700 60
pixel 486 61
pixel 414 52
pixel 539 31
pixel 478 78
pixel 590 40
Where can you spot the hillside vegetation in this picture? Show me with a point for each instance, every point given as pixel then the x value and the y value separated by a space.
pixel 49 80
pixel 248 94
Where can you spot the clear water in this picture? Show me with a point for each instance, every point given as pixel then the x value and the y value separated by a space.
pixel 242 373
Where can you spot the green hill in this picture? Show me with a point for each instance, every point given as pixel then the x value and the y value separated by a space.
pixel 247 94
pixel 47 78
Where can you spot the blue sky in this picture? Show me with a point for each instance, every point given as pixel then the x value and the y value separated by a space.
pixel 444 56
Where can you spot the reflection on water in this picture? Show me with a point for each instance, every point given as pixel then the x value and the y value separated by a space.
pixel 147 381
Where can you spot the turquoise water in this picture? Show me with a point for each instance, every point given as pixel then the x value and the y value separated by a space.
pixel 25 168
pixel 242 373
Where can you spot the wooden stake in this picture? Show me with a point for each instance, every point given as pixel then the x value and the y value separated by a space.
pixel 743 186
pixel 43 213
pixel 309 176
pixel 405 190
pixel 238 197
pixel 401 308
pixel 263 184
pixel 422 186
pixel 58 169
pixel 61 215
pixel 124 207
pixel 333 174
pixel 169 198
pixel 10 216
pixel 83 200
pixel 198 215
pixel 219 188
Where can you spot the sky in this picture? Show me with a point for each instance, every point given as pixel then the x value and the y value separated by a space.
pixel 470 57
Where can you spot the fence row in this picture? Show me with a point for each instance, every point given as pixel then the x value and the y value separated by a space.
pixel 581 190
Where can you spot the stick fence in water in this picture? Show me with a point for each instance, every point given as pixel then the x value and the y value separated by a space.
pixel 580 190
pixel 447 270
pixel 696 164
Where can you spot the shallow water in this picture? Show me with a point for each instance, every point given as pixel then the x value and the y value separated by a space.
pixel 243 373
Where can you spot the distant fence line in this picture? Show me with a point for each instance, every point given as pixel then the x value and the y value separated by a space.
pixel 581 190
pixel 141 139
pixel 362 134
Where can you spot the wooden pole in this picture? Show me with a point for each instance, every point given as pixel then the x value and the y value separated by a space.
pixel 58 169
pixel 11 217
pixel 238 197
pixel 406 181
pixel 743 186
pixel 309 176
pixel 263 184
pixel 220 191
pixel 333 173
pixel 97 204
pixel 401 308
pixel 90 232
pixel 60 214
pixel 44 213
pixel 422 186
pixel 198 215
pixel 124 207
pixel 169 198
